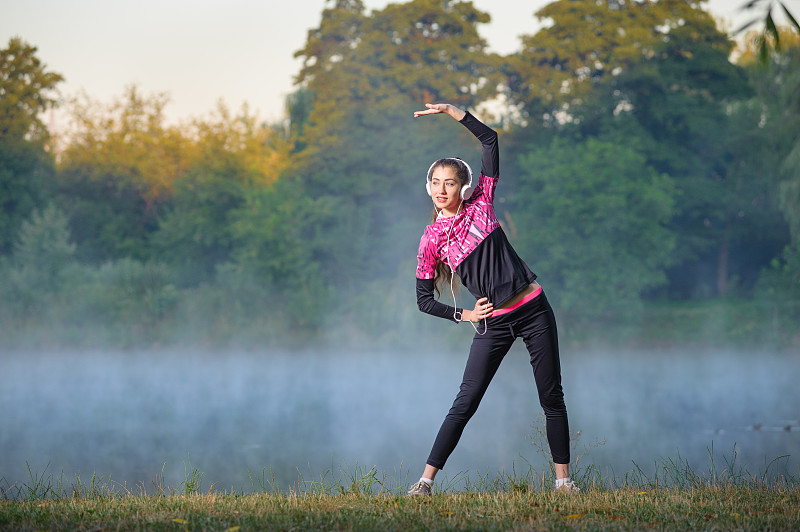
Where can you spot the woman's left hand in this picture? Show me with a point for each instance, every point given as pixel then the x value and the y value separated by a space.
pixel 483 309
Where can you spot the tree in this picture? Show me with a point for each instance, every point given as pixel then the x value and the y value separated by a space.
pixel 128 137
pixel 777 146
pixel 41 255
pixel 298 108
pixel 117 170
pixel 27 90
pixel 276 235
pixel 678 101
pixel 682 99
pixel 425 50
pixel 593 221
pixel 232 154
pixel 776 106
pixel 26 174
pixel 194 229
pixel 226 136
pixel 589 41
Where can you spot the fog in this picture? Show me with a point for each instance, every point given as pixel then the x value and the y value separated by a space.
pixel 128 415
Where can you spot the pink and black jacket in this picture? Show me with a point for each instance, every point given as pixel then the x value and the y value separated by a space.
pixel 479 251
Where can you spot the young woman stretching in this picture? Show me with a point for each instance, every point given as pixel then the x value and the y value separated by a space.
pixel 465 238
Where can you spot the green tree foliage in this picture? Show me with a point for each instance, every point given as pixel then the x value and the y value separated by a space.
pixel 275 234
pixel 779 284
pixel 119 174
pixel 592 216
pixel 233 154
pixel 775 152
pixel 298 108
pixel 132 299
pixel 117 170
pixel 589 41
pixel 41 257
pixel 26 172
pixel 194 232
pixel 682 98
pixel 27 89
pixel 675 92
pixel 781 93
pixel 424 49
pixel 225 136
pixel 772 132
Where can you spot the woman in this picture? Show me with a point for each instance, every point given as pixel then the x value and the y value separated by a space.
pixel 465 238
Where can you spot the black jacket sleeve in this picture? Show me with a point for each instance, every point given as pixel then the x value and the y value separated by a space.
pixel 429 305
pixel 490 158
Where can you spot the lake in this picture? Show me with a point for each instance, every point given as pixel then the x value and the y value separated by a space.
pixel 134 415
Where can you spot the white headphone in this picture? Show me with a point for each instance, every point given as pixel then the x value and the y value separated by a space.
pixel 466 190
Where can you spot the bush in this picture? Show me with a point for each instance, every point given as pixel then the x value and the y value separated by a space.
pixel 34 276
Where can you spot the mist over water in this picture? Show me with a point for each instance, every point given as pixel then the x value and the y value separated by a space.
pixel 128 414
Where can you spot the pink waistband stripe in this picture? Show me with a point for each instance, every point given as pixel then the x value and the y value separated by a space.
pixel 532 295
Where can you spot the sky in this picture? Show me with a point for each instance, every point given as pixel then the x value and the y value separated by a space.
pixel 204 51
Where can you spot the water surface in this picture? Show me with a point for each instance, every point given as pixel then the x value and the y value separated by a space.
pixel 132 415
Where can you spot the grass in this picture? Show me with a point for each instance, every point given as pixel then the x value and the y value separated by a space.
pixel 674 497
pixel 629 509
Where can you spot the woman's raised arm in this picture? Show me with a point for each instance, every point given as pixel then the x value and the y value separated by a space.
pixel 490 159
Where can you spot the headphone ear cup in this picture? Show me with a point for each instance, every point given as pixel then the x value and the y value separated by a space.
pixel 466 192
pixel 428 179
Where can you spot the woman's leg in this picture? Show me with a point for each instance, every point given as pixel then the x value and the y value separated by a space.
pixel 562 470
pixel 430 472
pixel 539 332
pixel 485 356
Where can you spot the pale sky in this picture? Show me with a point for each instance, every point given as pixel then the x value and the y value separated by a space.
pixel 201 51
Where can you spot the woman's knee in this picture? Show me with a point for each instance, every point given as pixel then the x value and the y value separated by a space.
pixel 466 402
pixel 553 403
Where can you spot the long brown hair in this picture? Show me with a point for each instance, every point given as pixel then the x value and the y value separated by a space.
pixel 442 273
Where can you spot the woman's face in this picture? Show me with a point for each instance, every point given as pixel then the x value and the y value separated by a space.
pixel 445 190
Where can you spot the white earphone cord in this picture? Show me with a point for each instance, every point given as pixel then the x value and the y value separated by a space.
pixel 456 314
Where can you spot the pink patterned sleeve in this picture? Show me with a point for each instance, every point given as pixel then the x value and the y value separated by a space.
pixel 426 257
pixel 485 189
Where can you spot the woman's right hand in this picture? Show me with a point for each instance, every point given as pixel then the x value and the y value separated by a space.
pixel 483 309
pixel 436 108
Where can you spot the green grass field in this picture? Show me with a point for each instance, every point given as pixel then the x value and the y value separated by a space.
pixel 704 508
pixel 674 498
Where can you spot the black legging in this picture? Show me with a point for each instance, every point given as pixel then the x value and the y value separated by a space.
pixel 536 324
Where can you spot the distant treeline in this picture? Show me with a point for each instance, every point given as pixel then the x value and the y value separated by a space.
pixel 640 167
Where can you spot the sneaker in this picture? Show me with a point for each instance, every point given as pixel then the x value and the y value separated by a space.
pixel 420 489
pixel 568 487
